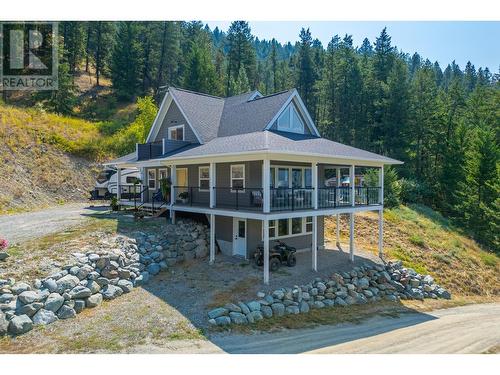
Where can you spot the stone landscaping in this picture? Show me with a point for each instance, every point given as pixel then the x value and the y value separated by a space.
pixel 107 270
pixel 362 285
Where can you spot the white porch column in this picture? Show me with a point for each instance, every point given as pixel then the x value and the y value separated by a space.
pixel 381 232
pixel 266 184
pixel 315 186
pixel 314 247
pixel 213 178
pixel 381 185
pixel 173 179
pixel 338 230
pixel 265 223
pixel 118 184
pixel 351 237
pixel 144 179
pixel 352 176
pixel 212 238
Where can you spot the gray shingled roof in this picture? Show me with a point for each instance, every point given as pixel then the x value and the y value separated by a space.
pixel 129 158
pixel 274 141
pixel 213 117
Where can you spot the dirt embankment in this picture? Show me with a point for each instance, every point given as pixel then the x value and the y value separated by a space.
pixel 36 171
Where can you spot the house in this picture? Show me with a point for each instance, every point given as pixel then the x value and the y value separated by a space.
pixel 257 167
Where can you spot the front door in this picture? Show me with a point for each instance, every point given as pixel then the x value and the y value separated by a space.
pixel 182 177
pixel 240 237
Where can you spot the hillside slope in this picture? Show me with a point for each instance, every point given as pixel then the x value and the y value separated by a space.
pixel 44 159
pixel 426 241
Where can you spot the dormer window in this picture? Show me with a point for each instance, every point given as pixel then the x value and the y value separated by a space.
pixel 290 121
pixel 176 133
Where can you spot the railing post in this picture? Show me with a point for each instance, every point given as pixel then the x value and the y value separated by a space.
pixel 367 196
pixel 293 200
pixel 352 177
pixel 381 185
pixel 315 185
pixel 237 205
pixel 212 184
pixel 266 185
pixel 335 197
pixel 190 195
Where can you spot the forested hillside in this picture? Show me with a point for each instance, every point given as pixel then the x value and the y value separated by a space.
pixel 442 121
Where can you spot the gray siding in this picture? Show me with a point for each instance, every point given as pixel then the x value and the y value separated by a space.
pixel 174 117
pixel 306 128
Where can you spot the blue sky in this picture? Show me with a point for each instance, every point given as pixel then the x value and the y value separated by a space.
pixel 441 41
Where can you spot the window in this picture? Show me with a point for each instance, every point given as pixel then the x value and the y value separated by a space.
pixel 130 179
pixel 237 177
pixel 204 178
pixel 287 177
pixel 152 179
pixel 163 174
pixel 283 227
pixel 296 225
pixel 272 228
pixel 296 178
pixel 176 133
pixel 309 224
pixel 282 178
pixel 290 121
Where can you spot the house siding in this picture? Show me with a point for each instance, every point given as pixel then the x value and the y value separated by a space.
pixel 172 118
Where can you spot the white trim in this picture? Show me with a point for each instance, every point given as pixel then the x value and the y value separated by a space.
pixel 303 232
pixel 302 108
pixel 238 178
pixel 171 128
pixel 149 179
pixel 235 227
pixel 254 95
pixel 204 179
pixel 160 170
pixel 290 178
pixel 162 112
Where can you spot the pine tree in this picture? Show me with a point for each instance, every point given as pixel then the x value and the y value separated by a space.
pixel 366 48
pixel 470 77
pixel 101 46
pixel 306 75
pixel 168 61
pixel 74 43
pixel 384 56
pixel 240 52
pixel 126 61
pixel 200 72
pixel 274 64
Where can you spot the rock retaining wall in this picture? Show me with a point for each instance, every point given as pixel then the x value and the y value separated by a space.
pixel 113 267
pixel 362 285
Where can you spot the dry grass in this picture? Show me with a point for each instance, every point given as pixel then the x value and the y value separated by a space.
pixel 425 241
pixel 234 292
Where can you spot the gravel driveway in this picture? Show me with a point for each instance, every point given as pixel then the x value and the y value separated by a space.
pixel 17 228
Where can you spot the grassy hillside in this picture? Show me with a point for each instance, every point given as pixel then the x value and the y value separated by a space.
pixel 46 158
pixel 427 242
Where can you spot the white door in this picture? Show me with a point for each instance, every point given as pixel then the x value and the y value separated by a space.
pixel 240 237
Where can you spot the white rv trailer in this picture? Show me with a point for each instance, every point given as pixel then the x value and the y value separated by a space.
pixel 106 185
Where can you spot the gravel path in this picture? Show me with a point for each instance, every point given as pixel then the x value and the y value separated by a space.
pixel 466 329
pixel 21 227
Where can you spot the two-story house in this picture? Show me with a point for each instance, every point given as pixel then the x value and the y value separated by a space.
pixel 257 167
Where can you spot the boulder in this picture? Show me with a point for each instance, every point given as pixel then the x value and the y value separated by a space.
pixel 111 292
pixel 278 309
pixel 244 308
pixel 255 316
pixel 66 312
pixel 254 306
pixel 304 307
pixel 292 310
pixel 125 285
pixel 93 286
pixel 94 300
pixel 223 320
pixel 443 293
pixel 50 284
pixel 109 273
pixel 29 296
pixel 4 324
pixel 6 297
pixel 3 255
pixel 29 309
pixel 44 317
pixel 329 302
pixel 318 305
pixel 215 313
pixel 267 311
pixel 79 292
pixel 79 305
pixel 237 318
pixel 232 307
pixel 67 282
pixel 20 324
pixel 20 287
pixel 363 283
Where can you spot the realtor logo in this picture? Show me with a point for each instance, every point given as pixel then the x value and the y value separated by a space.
pixel 28 56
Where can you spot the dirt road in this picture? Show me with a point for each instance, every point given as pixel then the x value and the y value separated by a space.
pixel 17 228
pixel 466 329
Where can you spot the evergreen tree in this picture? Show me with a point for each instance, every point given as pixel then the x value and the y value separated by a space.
pixel 240 52
pixel 306 75
pixel 470 77
pixel 168 61
pixel 101 46
pixel 200 72
pixel 126 61
pixel 73 43
pixel 366 48
pixel 384 56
